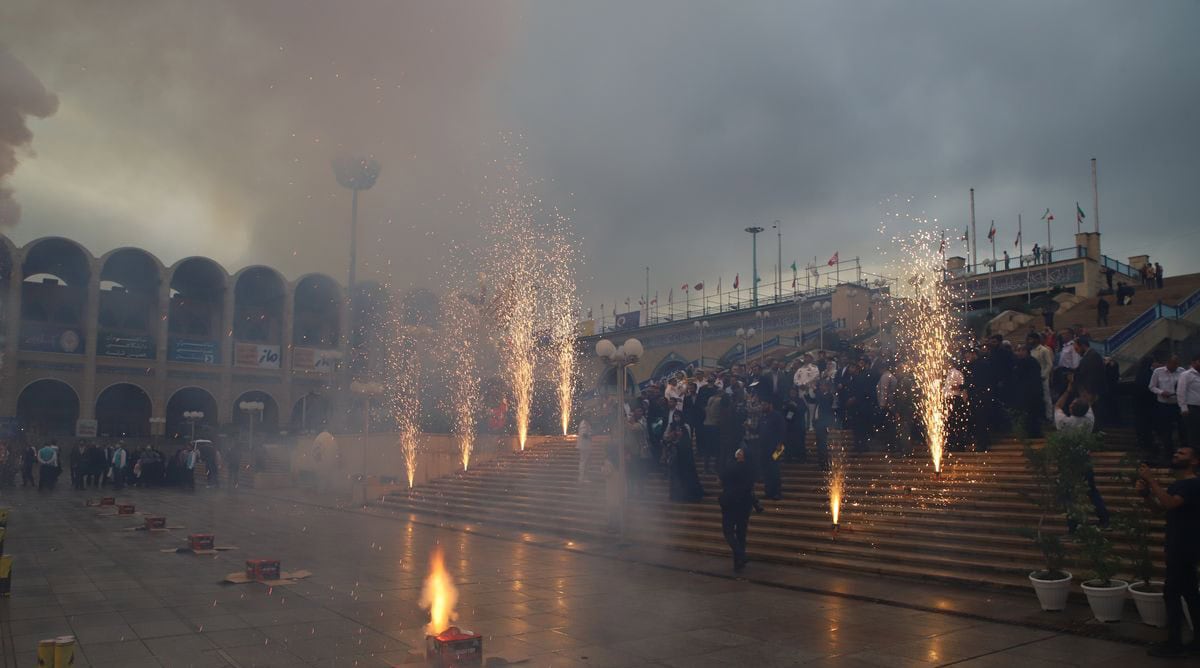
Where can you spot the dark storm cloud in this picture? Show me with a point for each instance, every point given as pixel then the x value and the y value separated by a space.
pixel 675 125
pixel 21 96
pixel 664 127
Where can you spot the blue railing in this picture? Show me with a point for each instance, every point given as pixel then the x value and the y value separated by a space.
pixel 1149 317
pixel 1119 267
pixel 1020 261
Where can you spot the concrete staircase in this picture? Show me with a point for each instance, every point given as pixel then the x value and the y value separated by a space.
pixel 898 519
pixel 1175 289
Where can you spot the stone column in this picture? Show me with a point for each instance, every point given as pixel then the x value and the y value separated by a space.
pixel 160 333
pixel 91 325
pixel 12 338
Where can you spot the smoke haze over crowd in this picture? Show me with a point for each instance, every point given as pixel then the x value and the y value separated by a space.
pixel 664 128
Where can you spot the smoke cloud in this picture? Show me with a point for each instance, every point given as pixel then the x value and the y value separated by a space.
pixel 21 95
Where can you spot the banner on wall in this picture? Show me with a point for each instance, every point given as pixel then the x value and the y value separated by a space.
pixel 256 355
pixel 194 351
pixel 51 338
pixel 319 360
pixel 129 346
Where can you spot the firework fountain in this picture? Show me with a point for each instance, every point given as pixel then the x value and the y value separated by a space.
pixel 461 338
pixel 560 311
pixel 837 483
pixel 927 330
pixel 405 366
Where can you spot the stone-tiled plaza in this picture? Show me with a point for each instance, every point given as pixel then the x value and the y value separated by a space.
pixel 130 604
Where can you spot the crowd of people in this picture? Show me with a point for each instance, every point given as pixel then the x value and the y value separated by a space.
pixel 95 466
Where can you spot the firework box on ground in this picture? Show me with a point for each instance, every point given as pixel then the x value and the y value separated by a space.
pixel 285 578
pixel 126 509
pixel 262 569
pixel 6 563
pixel 108 501
pixel 64 652
pixel 454 648
pixel 201 541
pixel 45 653
pixel 156 523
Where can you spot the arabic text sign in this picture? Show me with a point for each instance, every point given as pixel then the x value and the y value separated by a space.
pixel 314 359
pixel 194 351
pixel 129 346
pixel 51 338
pixel 256 355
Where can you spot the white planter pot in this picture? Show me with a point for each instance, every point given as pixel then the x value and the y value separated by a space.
pixel 1052 594
pixel 1107 603
pixel 1150 605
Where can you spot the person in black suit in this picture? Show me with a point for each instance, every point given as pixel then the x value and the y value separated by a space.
pixel 1089 375
pixel 737 500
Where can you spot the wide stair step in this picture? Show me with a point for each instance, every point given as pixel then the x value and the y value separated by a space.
pixel 898 519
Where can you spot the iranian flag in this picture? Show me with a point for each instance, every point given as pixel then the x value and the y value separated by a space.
pixel 833 260
pixel 737 279
pixel 1079 214
pixel 1050 216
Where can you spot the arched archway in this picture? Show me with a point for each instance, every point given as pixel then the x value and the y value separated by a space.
pixel 188 400
pixel 317 312
pixel 668 365
pixel 259 296
pixel 123 409
pixel 608 381
pixel 266 422
pixel 129 283
pixel 194 318
pixel 54 296
pixel 310 414
pixel 48 408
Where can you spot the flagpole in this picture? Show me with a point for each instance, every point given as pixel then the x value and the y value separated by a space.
pixel 973 240
pixel 992 234
pixel 647 295
pixel 1095 197
pixel 779 274
pixel 1020 241
pixel 1045 253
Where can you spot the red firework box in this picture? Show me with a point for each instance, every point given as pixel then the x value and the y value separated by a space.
pixel 108 501
pixel 262 569
pixel 454 648
pixel 156 523
pixel 201 541
pixel 125 508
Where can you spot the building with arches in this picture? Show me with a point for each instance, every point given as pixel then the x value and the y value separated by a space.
pixel 122 345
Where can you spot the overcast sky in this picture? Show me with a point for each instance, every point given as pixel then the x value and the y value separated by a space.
pixel 664 128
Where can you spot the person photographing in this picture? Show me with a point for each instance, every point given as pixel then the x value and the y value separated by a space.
pixel 1181 502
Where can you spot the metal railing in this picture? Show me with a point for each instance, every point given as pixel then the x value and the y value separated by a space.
pixel 807 283
pixel 1020 261
pixel 1148 317
pixel 1119 267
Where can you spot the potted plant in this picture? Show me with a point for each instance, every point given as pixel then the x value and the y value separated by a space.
pixel 1052 583
pixel 1147 593
pixel 1105 594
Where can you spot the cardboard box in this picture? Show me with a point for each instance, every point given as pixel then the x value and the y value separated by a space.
pixel 156 523
pixel 201 541
pixel 262 569
pixel 454 648
pixel 108 501
pixel 125 509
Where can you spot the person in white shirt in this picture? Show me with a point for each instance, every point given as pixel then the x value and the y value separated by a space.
pixel 1081 419
pixel 1187 394
pixel 1069 358
pixel 1164 383
pixel 1045 360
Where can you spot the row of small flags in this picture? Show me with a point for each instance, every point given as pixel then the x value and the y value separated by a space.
pixel 991 235
pixel 686 287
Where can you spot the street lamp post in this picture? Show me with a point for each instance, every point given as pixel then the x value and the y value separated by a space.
pixel 366 390
pixel 821 308
pixel 762 333
pixel 745 335
pixel 701 325
pixel 621 359
pixel 800 322
pixel 252 408
pixel 754 246
pixel 192 418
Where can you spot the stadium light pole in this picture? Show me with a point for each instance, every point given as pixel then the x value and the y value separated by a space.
pixel 754 250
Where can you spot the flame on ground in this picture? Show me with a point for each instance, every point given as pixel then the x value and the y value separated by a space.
pixel 837 478
pixel 439 595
